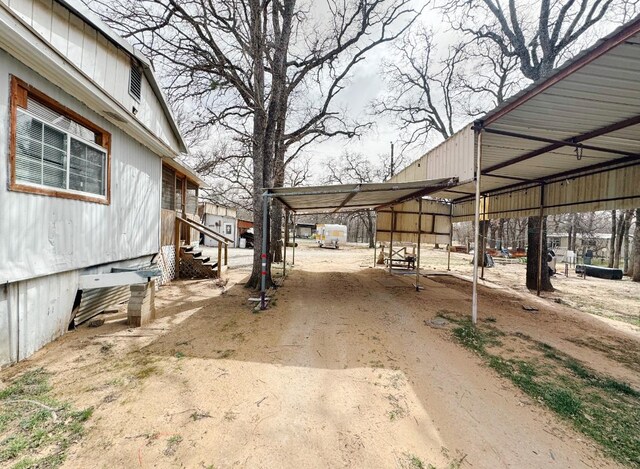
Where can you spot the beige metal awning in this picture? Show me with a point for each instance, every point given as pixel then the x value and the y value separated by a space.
pixel 344 197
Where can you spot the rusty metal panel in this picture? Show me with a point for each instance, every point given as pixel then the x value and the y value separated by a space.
pixel 96 300
pixel 452 158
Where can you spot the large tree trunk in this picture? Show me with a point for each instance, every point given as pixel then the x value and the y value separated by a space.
pixel 500 241
pixel 370 229
pixel 612 243
pixel 533 234
pixel 482 248
pixel 636 249
pixel 262 148
pixel 619 238
pixel 277 213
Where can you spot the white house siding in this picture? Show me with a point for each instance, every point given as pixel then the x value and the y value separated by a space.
pixel 44 235
pixel 47 242
pixel 103 62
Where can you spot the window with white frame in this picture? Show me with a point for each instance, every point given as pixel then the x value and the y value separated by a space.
pixel 55 153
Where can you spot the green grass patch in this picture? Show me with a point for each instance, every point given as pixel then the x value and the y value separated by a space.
pixel 605 409
pixel 35 429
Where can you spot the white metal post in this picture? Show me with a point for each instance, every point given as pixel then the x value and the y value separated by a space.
pixel 265 233
pixel 450 236
pixel 393 219
pixel 286 238
pixel 474 298
pixel 419 235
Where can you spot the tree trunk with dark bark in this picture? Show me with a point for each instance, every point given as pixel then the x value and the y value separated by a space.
pixel 636 249
pixel 533 232
pixel 500 241
pixel 622 219
pixel 612 241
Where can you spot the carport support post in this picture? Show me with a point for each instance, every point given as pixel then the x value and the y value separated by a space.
pixel 375 248
pixel 450 237
pixel 484 241
pixel 393 219
pixel 541 216
pixel 293 253
pixel 474 295
pixel 286 238
pixel 418 253
pixel 265 233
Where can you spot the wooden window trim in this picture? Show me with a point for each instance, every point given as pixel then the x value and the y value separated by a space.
pixel 20 90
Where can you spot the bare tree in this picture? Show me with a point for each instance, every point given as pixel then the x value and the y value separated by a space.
pixel 422 89
pixel 247 67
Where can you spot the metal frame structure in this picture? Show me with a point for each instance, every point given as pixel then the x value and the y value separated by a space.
pixel 568 143
pixel 374 196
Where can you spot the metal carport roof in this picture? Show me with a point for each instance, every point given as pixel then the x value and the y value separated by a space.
pixel 355 196
pixel 571 130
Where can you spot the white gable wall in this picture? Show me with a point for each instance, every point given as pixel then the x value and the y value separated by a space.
pixel 98 58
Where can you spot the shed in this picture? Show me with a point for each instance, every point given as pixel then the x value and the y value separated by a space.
pixel 219 219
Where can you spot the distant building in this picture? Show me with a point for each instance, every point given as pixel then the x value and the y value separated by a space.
pixel 245 221
pixel 221 220
pixel 597 243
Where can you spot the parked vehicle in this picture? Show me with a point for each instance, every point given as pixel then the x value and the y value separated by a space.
pixel 331 235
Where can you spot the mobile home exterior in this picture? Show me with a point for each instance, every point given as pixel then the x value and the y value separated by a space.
pixel 84 129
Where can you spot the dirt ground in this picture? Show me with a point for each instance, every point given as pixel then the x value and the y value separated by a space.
pixel 343 371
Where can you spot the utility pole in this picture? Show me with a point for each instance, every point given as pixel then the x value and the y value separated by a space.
pixel 392 168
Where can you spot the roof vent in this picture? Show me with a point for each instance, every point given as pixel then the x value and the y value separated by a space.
pixel 135 82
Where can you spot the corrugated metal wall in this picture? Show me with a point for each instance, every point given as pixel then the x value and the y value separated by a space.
pixel 96 300
pixel 97 57
pixel 606 190
pixel 452 158
pixel 44 235
pixel 435 223
pixel 33 313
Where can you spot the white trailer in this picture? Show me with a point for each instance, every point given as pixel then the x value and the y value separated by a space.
pixel 331 235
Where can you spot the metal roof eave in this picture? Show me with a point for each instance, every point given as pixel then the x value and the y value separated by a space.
pixel 605 44
pixel 342 197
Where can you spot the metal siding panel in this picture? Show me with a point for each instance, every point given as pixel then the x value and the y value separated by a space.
pixel 60 28
pixel 44 310
pixel 8 324
pixel 452 158
pixel 100 71
pixel 89 51
pixel 76 37
pixel 56 235
pixel 24 8
pixel 41 21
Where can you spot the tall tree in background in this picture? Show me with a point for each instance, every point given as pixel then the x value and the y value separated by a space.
pixel 422 89
pixel 266 71
pixel 538 36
